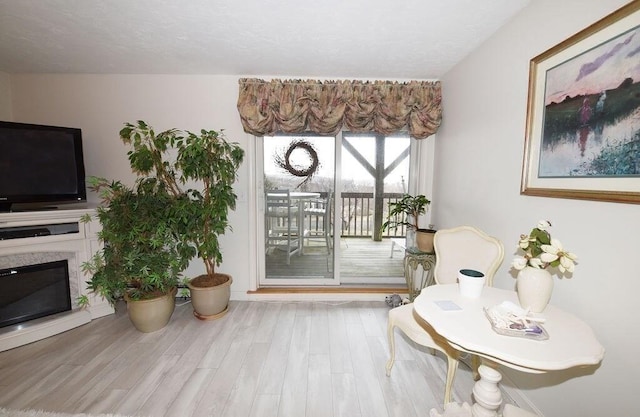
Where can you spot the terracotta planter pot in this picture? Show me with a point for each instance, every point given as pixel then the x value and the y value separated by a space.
pixel 210 299
pixel 424 240
pixel 150 315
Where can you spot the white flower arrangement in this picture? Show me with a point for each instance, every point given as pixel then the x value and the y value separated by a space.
pixel 542 251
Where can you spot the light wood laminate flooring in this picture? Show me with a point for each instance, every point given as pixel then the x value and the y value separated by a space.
pixel 288 359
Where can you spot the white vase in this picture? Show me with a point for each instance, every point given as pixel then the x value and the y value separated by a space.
pixel 534 288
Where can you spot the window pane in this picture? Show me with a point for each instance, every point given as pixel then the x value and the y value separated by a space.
pixel 298 221
pixel 397 180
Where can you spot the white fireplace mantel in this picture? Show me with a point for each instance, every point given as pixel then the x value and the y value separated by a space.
pixel 58 241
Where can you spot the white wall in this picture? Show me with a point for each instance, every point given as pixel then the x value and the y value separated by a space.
pixel 478 164
pixel 101 104
pixel 5 97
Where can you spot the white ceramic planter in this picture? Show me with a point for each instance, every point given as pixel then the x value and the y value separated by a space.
pixel 534 288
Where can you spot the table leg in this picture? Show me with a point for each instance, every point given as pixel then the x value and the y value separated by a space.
pixel 486 394
pixel 487 398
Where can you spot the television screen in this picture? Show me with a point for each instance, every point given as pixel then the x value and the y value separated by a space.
pixel 40 164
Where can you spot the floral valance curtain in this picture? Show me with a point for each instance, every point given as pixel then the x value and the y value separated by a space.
pixel 292 106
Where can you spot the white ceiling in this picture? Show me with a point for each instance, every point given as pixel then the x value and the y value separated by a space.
pixel 381 39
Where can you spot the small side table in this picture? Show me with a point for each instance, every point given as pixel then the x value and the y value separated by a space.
pixel 571 344
pixel 412 258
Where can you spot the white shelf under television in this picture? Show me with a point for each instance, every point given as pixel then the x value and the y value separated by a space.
pixel 43 236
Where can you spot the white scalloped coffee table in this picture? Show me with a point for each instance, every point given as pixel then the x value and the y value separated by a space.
pixel 571 343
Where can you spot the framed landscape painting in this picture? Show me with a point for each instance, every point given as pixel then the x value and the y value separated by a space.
pixel 583 114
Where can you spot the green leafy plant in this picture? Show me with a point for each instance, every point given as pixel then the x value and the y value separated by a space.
pixel 198 171
pixel 141 254
pixel 542 251
pixel 82 301
pixel 406 211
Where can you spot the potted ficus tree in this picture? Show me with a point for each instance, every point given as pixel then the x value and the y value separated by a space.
pixel 407 211
pixel 199 171
pixel 141 258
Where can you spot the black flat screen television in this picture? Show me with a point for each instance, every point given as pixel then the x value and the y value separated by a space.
pixel 40 165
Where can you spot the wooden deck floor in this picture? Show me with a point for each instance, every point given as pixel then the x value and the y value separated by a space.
pixel 360 258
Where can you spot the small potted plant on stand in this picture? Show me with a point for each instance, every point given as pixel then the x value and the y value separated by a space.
pixel 200 178
pixel 407 211
pixel 140 260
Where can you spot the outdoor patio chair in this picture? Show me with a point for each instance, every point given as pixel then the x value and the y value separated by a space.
pixel 317 221
pixel 281 223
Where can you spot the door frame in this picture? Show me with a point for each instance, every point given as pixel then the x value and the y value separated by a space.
pixel 420 181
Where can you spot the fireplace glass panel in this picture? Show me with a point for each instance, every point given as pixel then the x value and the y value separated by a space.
pixel 33 291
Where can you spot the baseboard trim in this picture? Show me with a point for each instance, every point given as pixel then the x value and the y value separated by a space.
pixel 330 290
pixel 341 293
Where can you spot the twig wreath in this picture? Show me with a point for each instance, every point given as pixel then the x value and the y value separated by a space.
pixel 309 171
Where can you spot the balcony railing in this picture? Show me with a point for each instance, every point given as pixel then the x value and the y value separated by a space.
pixel 358 212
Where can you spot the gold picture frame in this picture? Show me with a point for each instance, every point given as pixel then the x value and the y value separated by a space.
pixel 582 135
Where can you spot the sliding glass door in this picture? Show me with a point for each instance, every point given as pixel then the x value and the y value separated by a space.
pixel 375 172
pixel 299 205
pixel 322 202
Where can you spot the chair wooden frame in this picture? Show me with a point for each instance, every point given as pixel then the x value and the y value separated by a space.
pixel 456 248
